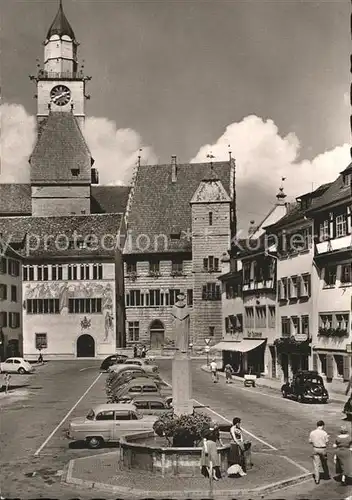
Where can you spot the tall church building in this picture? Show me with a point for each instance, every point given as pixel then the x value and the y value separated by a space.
pixel 72 289
pixel 61 164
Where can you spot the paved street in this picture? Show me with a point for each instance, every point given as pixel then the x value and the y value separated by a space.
pixel 55 388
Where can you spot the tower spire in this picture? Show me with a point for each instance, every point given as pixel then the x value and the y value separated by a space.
pixel 60 26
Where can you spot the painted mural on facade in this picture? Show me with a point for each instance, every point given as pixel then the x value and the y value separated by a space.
pixel 68 290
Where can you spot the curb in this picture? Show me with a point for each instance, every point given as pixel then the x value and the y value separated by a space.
pixel 334 399
pixel 229 494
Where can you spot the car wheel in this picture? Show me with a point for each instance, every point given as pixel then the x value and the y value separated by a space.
pixel 284 394
pixel 94 442
pixel 300 398
pixel 22 371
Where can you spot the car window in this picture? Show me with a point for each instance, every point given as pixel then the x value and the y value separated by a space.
pixel 142 405
pixel 122 415
pixel 105 415
pixel 135 388
pixel 149 388
pixel 90 415
pixel 17 361
pixel 133 415
pixel 9 360
pixel 157 405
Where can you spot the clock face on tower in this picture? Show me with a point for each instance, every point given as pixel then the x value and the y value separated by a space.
pixel 60 95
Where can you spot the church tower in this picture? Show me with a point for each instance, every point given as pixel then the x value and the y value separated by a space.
pixel 61 172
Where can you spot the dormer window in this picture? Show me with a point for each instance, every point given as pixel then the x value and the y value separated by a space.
pixel 347 179
pixel 210 218
pixel 75 172
pixel 305 203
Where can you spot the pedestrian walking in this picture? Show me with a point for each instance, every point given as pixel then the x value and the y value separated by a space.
pixel 319 439
pixel 144 352
pixel 135 351
pixel 343 454
pixel 7 379
pixel 229 371
pixel 214 371
pixel 40 357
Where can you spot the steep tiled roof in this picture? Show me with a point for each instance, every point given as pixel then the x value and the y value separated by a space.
pixel 60 147
pixel 159 204
pixel 50 236
pixel 109 199
pixel 60 26
pixel 337 191
pixel 15 199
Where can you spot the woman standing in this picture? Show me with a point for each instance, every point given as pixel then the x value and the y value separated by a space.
pixel 240 452
pixel 343 456
pixel 210 461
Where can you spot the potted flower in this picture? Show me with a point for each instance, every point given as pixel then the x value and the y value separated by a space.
pixel 185 431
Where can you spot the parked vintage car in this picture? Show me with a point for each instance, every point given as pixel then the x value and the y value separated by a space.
pixel 347 409
pixel 114 359
pixel 146 364
pixel 137 387
pixel 126 376
pixel 16 365
pixel 108 423
pixel 306 386
pixel 149 404
pixel 124 368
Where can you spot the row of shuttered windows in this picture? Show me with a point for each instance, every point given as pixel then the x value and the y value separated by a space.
pixel 330 361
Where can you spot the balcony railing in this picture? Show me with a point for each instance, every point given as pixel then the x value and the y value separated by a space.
pixel 334 244
pixel 61 75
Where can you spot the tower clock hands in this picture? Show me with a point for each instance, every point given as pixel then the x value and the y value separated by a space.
pixel 59 96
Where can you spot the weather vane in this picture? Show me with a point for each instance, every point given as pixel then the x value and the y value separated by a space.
pixel 211 156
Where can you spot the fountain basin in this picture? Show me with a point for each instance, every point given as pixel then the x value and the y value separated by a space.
pixel 140 452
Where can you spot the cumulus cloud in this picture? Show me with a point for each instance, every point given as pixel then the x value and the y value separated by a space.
pixel 263 158
pixel 18 132
pixel 115 151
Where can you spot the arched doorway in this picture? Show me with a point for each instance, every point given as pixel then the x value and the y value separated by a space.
pixel 85 346
pixel 157 334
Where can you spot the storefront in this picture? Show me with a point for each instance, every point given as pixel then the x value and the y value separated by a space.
pixel 292 355
pixel 245 356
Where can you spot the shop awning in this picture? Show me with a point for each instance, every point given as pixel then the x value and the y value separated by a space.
pixel 244 345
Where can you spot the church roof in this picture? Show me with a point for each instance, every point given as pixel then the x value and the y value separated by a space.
pixel 15 199
pixel 159 205
pixel 210 191
pixel 53 237
pixel 60 147
pixel 60 26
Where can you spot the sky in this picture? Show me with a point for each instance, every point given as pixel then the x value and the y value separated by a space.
pixel 267 79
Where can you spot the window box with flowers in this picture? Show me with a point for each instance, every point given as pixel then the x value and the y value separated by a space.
pixel 132 276
pixel 154 274
pixel 176 273
pixel 332 332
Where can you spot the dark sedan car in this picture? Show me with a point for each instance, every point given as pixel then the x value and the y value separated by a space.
pixel 114 359
pixel 306 386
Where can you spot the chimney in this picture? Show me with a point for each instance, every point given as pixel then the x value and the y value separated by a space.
pixel 173 169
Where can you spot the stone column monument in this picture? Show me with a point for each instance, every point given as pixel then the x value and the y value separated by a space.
pixel 181 364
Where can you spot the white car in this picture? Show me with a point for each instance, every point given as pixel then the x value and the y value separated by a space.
pixel 108 423
pixel 146 364
pixel 16 365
